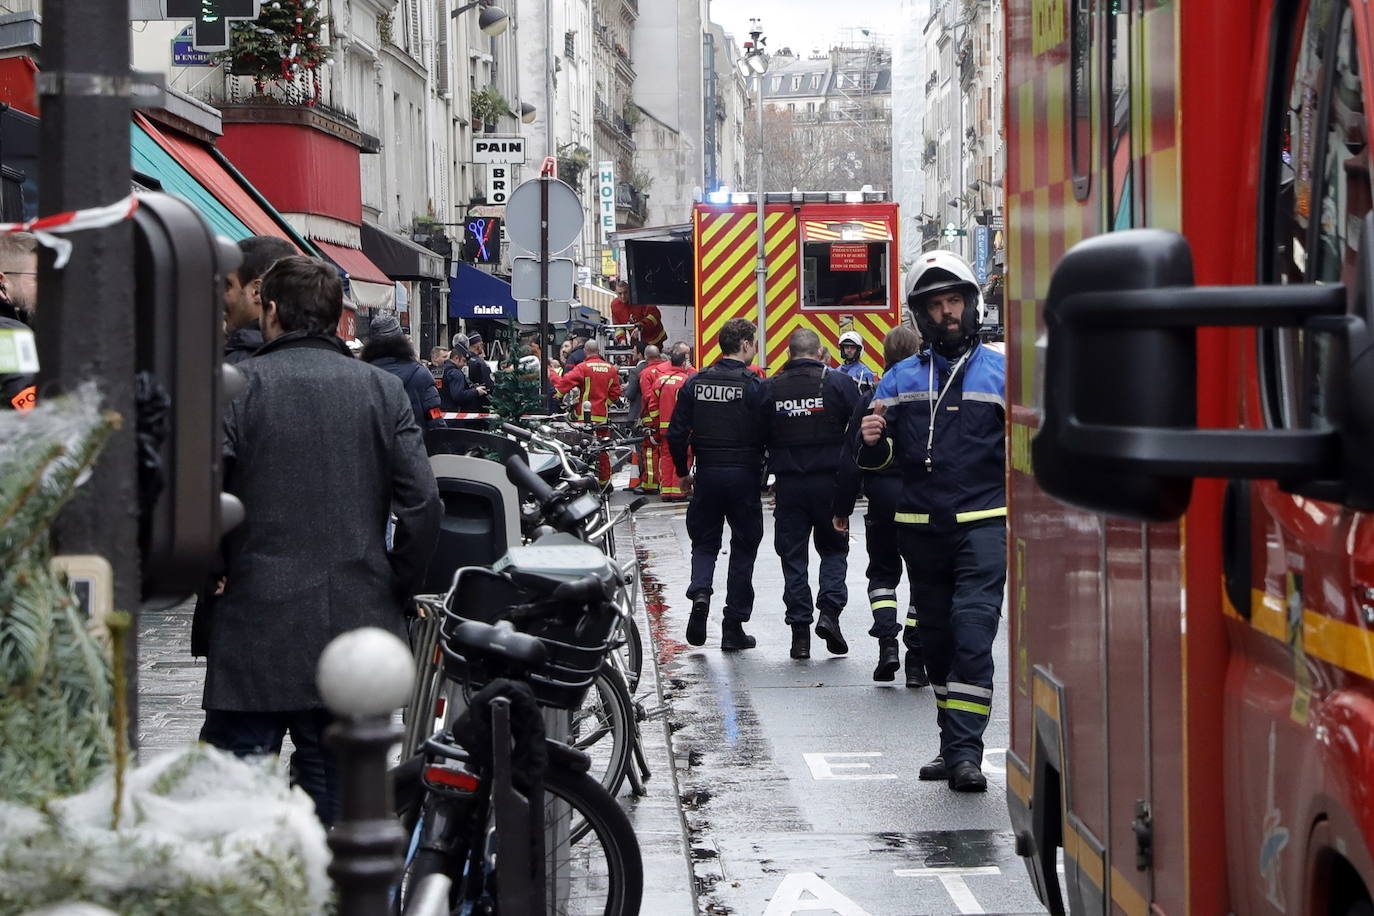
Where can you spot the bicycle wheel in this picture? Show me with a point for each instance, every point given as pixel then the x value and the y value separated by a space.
pixel 632 653
pixel 592 864
pixel 600 727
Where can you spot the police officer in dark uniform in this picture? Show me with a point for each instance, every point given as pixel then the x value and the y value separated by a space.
pixel 721 415
pixel 810 408
pixel 941 416
pixel 883 489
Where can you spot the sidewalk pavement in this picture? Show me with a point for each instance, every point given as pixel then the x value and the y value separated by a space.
pixel 170 716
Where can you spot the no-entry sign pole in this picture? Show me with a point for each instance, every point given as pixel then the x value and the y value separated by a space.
pixel 544 288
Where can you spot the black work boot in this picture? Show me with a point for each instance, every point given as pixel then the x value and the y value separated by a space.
pixel 965 776
pixel 915 669
pixel 801 640
pixel 828 628
pixel 934 771
pixel 888 662
pixel 733 638
pixel 696 623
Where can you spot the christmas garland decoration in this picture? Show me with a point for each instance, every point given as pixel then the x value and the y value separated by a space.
pixel 285 42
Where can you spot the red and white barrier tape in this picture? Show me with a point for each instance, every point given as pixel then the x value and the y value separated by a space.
pixel 470 416
pixel 47 228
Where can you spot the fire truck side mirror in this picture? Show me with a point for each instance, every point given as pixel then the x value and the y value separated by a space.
pixel 180 268
pixel 1119 434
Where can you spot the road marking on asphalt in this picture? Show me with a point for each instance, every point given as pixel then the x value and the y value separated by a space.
pixel 823 766
pixel 804 891
pixel 952 877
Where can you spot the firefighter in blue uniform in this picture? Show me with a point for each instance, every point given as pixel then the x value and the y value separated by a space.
pixel 852 362
pixel 811 405
pixel 721 415
pixel 940 415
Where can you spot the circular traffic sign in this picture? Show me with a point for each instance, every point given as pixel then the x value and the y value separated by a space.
pixel 523 215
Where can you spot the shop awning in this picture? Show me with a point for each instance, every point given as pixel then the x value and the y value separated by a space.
pixel 399 258
pixel 475 294
pixel 596 298
pixel 201 163
pixel 369 286
pixel 149 159
pixel 858 230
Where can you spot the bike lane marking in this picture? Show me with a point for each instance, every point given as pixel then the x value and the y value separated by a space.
pixel 952 878
pixel 805 891
pixel 824 765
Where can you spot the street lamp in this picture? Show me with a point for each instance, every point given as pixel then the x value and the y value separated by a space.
pixel 527 113
pixel 492 20
pixel 755 63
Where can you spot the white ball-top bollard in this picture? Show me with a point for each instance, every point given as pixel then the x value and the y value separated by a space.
pixel 365 672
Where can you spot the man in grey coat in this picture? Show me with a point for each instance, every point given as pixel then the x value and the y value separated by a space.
pixel 321 449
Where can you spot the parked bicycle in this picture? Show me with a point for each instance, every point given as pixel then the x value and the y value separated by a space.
pixel 509 815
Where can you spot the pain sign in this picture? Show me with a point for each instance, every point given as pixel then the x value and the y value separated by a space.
pixel 605 200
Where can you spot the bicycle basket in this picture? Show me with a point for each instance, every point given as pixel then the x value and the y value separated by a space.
pixel 576 637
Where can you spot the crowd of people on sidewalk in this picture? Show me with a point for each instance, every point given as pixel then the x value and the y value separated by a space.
pixel 325 548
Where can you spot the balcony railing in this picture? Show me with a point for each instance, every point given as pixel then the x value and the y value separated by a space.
pixel 631 199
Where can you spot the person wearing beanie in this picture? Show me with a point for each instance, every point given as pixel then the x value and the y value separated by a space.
pixel 387 348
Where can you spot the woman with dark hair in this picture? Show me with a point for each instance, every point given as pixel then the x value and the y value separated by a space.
pixel 884 561
pixel 387 348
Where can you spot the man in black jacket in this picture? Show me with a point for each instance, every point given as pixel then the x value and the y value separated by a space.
pixel 810 407
pixel 883 489
pixel 242 298
pixel 321 449
pixel 720 415
pixel 479 370
pixel 459 392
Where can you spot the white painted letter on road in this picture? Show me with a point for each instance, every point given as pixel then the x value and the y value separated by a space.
pixel 805 892
pixel 823 766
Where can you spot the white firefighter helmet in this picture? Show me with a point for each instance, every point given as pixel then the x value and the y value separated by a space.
pixel 939 271
pixel 851 338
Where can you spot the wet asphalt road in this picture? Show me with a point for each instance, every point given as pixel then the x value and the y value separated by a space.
pixel 798 779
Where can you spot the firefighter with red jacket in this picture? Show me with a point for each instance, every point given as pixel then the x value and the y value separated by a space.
pixel 598 383
pixel 660 401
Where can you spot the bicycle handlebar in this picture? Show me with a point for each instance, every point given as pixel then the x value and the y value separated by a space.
pixel 520 474
pixel 519 432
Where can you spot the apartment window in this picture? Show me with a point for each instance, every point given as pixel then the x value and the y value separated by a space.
pixel 796 83
pixel 570 45
pixel 815 81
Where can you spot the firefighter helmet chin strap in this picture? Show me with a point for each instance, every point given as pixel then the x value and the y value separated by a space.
pixel 936 402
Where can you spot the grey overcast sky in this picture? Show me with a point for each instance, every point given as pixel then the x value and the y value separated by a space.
pixel 804 25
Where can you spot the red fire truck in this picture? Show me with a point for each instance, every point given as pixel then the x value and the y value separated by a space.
pixel 832 267
pixel 1190 396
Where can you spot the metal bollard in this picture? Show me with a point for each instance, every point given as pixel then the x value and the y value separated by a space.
pixel 364 676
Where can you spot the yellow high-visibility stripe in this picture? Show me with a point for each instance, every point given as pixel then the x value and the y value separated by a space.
pixel 967 706
pixel 912 622
pixel 981 514
pixel 881 603
pixel 921 518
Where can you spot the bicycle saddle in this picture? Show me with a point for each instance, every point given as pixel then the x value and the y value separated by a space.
pixel 561 566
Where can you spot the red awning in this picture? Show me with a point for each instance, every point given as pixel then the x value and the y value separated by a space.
pixel 197 160
pixel 355 262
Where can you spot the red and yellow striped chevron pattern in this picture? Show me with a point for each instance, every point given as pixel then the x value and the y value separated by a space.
pixel 727 242
pixel 860 230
